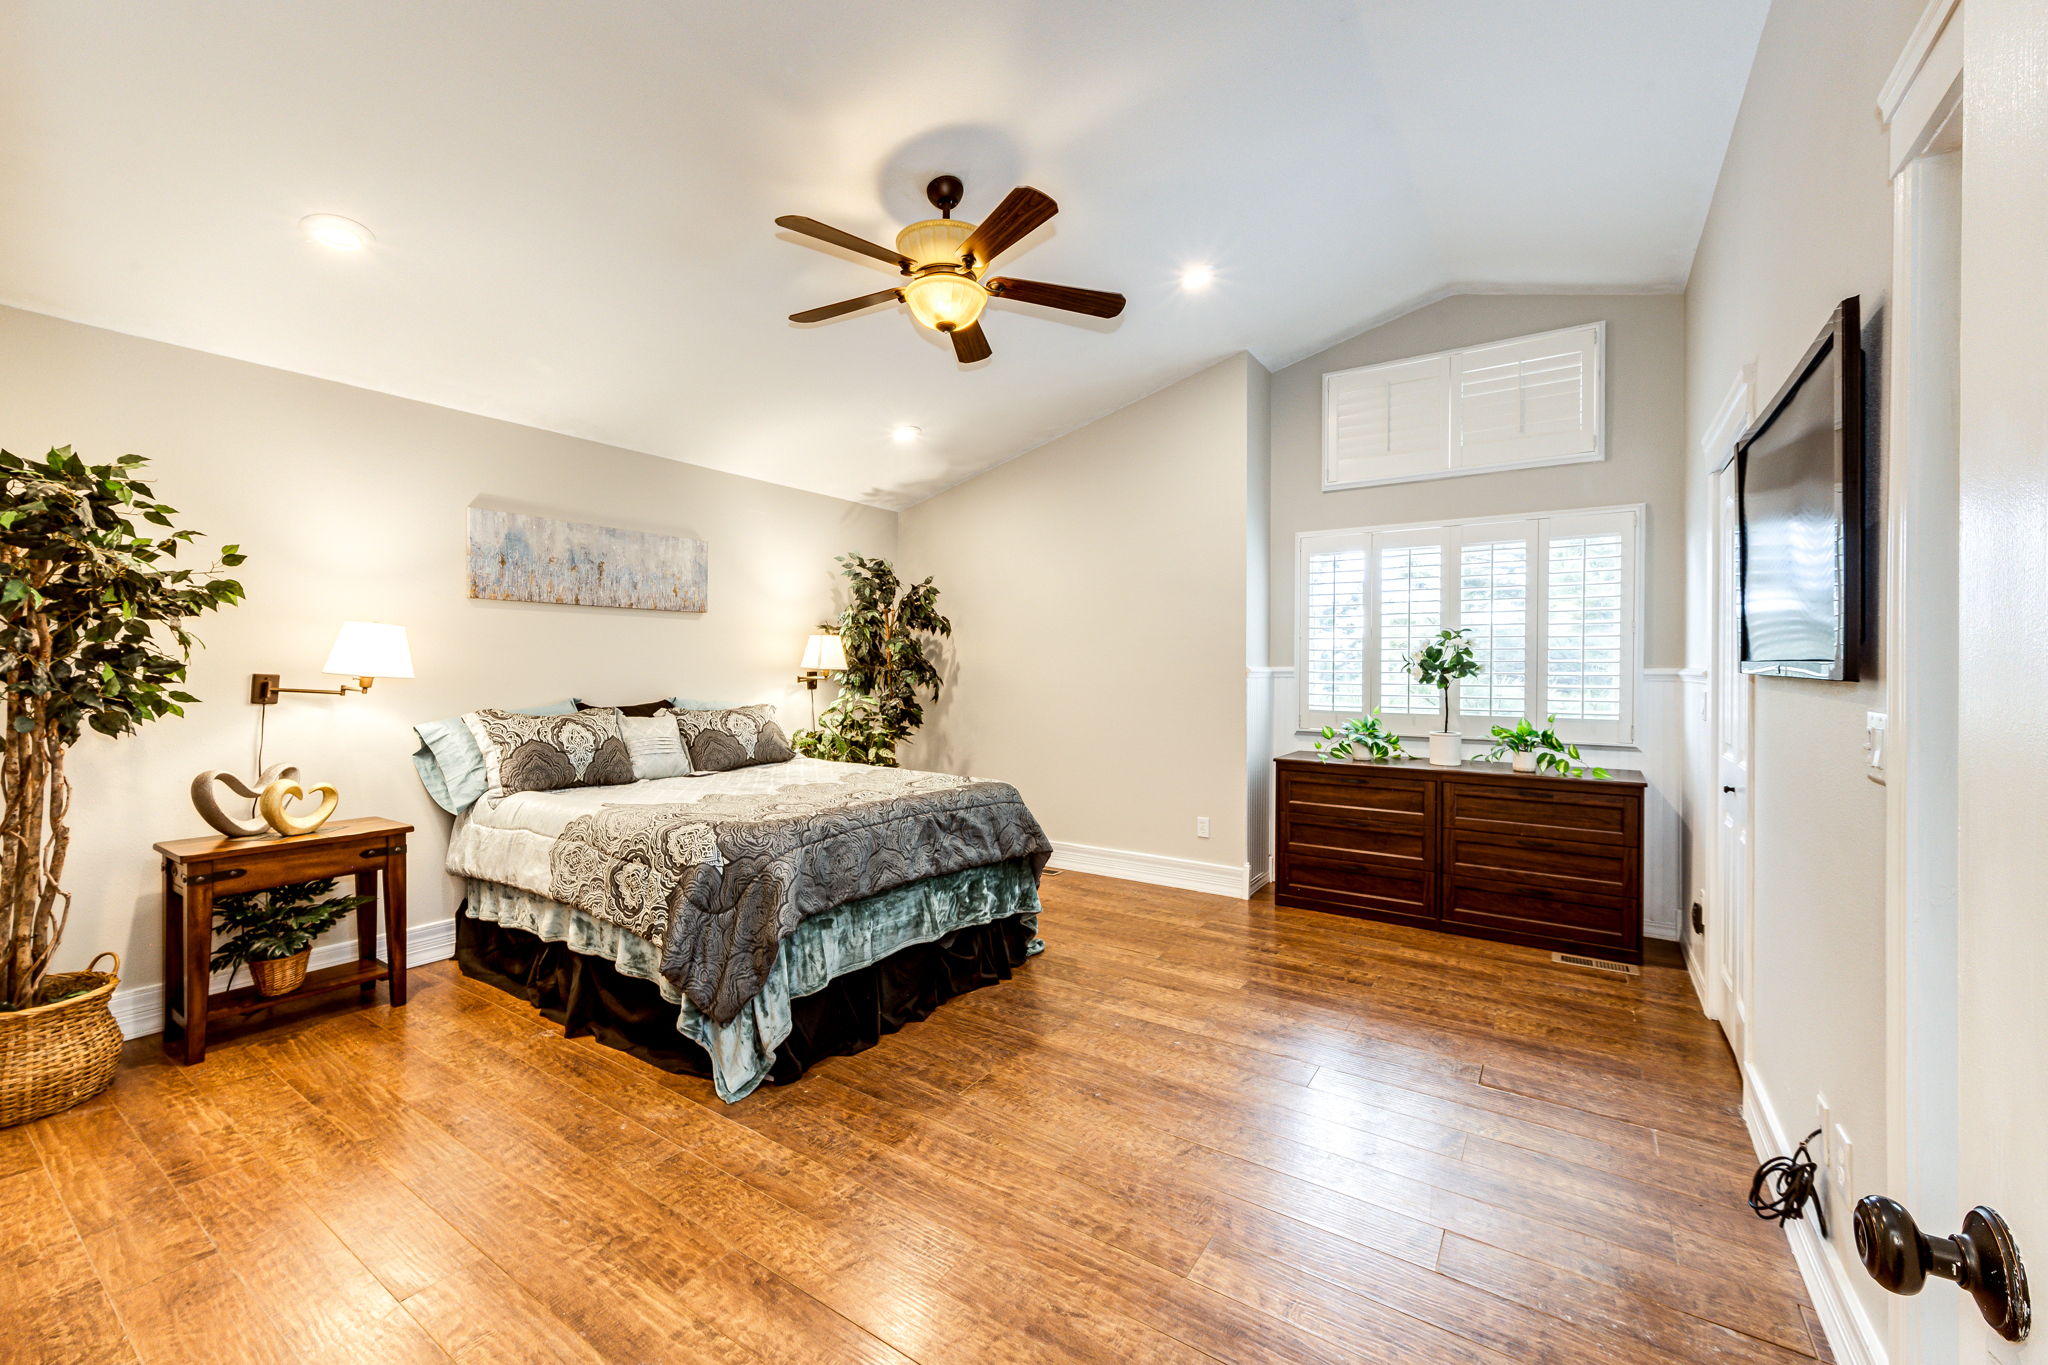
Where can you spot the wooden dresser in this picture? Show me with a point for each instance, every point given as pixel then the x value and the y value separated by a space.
pixel 1554 862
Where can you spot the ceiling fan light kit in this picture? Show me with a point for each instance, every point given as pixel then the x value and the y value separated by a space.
pixel 943 260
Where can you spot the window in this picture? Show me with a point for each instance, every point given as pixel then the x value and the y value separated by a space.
pixel 1533 400
pixel 1550 601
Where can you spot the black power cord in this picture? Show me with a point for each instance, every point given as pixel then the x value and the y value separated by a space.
pixel 1792 1180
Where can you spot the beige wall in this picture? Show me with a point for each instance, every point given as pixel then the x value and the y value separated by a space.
pixel 1098 590
pixel 1645 443
pixel 1801 218
pixel 350 505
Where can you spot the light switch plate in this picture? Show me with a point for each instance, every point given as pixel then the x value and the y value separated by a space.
pixel 1874 723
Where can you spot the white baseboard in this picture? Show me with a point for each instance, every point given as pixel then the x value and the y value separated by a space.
pixel 1217 879
pixel 139 1010
pixel 1850 1331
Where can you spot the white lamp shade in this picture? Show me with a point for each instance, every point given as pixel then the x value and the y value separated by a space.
pixel 826 653
pixel 365 649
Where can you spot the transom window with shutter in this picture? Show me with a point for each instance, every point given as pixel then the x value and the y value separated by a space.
pixel 1534 400
pixel 1550 601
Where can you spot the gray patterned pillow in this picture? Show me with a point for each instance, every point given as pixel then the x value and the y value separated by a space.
pixel 740 737
pixel 548 753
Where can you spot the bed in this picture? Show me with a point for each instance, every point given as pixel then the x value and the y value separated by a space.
pixel 743 925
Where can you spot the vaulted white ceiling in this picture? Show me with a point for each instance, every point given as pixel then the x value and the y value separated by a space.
pixel 573 203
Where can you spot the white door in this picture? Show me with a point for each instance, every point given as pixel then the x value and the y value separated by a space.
pixel 2003 648
pixel 1729 935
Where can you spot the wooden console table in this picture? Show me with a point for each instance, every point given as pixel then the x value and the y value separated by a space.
pixel 370 850
pixel 1479 849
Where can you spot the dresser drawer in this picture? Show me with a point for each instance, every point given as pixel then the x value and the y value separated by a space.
pixel 1595 921
pixel 1363 888
pixel 1360 792
pixel 1519 860
pixel 1315 830
pixel 1579 812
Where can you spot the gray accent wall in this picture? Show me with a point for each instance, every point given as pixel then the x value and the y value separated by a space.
pixel 1645 444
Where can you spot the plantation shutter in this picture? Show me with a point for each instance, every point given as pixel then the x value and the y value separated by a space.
pixel 1533 398
pixel 1495 578
pixel 1386 422
pixel 1589 629
pixel 1409 606
pixel 1334 627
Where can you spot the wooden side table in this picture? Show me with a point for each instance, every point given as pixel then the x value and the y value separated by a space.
pixel 370 850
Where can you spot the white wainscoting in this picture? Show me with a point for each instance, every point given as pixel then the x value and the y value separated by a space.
pixel 1217 879
pixel 139 1010
pixel 1850 1331
pixel 1658 753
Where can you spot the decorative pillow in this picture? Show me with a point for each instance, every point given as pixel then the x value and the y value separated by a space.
pixel 656 746
pixel 737 737
pixel 450 763
pixel 639 708
pixel 653 708
pixel 549 753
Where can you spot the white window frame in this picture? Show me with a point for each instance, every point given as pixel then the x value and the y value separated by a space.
pixel 1454 461
pixel 1453 535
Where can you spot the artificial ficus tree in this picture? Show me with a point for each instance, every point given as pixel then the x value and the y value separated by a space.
pixel 93 609
pixel 884 630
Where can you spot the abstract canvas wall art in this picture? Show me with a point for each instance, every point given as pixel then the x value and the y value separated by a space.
pixel 516 558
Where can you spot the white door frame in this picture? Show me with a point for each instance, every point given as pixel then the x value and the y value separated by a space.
pixel 1730 931
pixel 1921 107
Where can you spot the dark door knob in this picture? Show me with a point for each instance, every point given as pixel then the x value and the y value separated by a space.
pixel 1981 1259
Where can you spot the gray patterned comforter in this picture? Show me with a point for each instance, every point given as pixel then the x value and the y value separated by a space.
pixel 720 880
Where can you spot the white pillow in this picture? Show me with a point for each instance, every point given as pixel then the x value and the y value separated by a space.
pixel 656 745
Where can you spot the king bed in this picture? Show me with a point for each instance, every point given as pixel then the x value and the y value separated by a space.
pixel 739 915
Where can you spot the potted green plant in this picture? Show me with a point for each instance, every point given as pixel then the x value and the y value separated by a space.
pixel 884 631
pixel 272 932
pixel 1362 739
pixel 1539 749
pixel 93 613
pixel 1451 655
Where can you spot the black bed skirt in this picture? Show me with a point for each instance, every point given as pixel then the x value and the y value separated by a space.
pixel 587 995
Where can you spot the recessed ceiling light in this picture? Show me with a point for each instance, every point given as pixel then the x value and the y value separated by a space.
pixel 1196 278
pixel 336 232
pixel 903 435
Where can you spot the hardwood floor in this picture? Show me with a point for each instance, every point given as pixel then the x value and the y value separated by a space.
pixel 1195 1129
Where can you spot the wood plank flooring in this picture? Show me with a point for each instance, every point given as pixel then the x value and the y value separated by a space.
pixel 1194 1130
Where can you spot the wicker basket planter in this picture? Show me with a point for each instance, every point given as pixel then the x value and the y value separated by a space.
pixel 279 975
pixel 54 1056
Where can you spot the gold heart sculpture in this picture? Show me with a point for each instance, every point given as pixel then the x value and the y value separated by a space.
pixel 272 802
pixel 207 801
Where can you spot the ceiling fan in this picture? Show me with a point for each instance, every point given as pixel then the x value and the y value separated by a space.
pixel 944 259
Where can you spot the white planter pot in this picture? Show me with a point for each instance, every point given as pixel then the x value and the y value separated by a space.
pixel 1526 763
pixel 1447 750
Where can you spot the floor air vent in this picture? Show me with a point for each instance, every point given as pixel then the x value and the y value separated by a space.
pixel 1597 964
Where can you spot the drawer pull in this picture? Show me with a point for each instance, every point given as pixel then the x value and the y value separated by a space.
pixel 224 874
pixel 384 852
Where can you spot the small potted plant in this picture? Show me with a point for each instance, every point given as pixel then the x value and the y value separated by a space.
pixel 1445 659
pixel 1539 750
pixel 273 931
pixel 1362 739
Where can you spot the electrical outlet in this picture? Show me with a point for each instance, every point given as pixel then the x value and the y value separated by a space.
pixel 1201 826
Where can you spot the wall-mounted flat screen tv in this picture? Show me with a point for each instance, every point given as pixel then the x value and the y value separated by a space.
pixel 1800 476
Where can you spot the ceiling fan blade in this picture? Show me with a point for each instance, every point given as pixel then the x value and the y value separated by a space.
pixel 1022 210
pixel 825 232
pixel 842 308
pixel 1095 303
pixel 969 344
